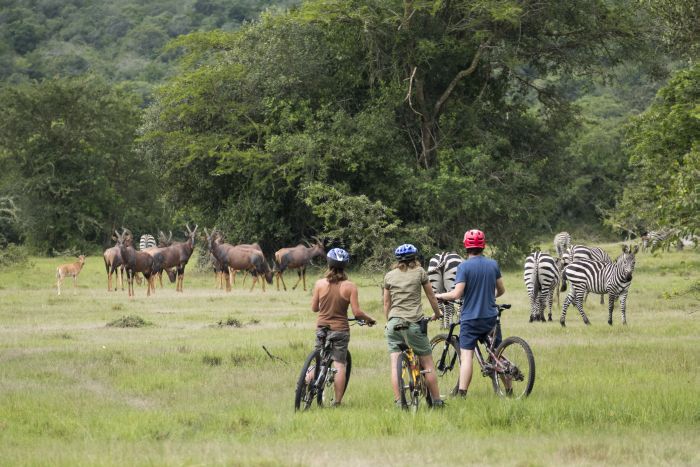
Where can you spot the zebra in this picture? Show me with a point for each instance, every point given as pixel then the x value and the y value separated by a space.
pixel 147 241
pixel 562 242
pixel 658 239
pixel 586 253
pixel 442 270
pixel 595 276
pixel 541 280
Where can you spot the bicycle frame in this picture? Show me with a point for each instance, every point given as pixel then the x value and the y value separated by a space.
pixel 489 364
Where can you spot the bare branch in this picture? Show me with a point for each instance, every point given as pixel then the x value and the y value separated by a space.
pixel 466 72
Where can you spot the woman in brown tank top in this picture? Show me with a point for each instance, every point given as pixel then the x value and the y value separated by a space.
pixel 330 299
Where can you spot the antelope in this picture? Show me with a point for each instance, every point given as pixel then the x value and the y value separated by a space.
pixel 252 246
pixel 240 258
pixel 177 255
pixel 218 269
pixel 163 242
pixel 137 261
pixel 297 258
pixel 113 263
pixel 72 270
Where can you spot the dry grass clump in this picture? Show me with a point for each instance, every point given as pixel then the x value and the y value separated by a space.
pixel 131 321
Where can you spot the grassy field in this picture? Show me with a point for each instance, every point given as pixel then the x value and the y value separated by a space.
pixel 191 390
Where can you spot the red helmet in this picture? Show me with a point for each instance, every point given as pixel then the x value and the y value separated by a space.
pixel 474 239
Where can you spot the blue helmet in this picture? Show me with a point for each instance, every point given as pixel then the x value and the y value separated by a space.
pixel 406 252
pixel 337 258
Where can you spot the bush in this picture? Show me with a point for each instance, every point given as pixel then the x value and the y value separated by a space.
pixel 13 255
pixel 131 321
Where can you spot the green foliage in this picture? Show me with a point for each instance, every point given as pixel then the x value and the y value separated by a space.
pixel 663 144
pixel 66 147
pixel 368 229
pixel 120 40
pixel 11 255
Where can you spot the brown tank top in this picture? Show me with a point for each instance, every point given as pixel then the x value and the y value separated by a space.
pixel 333 309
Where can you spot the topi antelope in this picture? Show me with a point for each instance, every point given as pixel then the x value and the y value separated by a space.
pixel 218 269
pixel 137 261
pixel 164 241
pixel 297 258
pixel 113 264
pixel 240 258
pixel 69 270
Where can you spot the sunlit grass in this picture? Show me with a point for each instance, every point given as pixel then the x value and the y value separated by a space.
pixel 190 389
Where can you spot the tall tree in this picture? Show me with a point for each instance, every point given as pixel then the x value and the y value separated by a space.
pixel 68 143
pixel 663 143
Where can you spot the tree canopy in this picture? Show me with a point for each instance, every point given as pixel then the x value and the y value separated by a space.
pixel 663 145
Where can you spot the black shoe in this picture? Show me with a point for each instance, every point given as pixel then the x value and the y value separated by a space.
pixel 438 404
pixel 461 393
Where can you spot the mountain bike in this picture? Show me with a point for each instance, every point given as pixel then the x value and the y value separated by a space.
pixel 413 386
pixel 317 378
pixel 510 366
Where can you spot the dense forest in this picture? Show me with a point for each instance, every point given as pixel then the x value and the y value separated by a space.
pixel 366 122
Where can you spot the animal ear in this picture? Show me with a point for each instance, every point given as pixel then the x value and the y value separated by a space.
pixel 624 248
pixel 636 249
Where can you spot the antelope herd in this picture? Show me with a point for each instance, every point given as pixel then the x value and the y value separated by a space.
pixel 150 260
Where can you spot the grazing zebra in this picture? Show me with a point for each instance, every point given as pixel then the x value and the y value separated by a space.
pixel 147 241
pixel 541 280
pixel 595 276
pixel 442 270
pixel 562 242
pixel 657 239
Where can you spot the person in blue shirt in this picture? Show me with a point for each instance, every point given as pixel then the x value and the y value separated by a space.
pixel 478 283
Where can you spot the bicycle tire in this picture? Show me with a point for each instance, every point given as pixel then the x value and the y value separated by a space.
pixel 519 369
pixel 326 393
pixel 405 380
pixel 305 394
pixel 449 376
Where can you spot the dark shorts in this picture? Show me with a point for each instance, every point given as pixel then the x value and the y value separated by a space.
pixel 473 330
pixel 339 343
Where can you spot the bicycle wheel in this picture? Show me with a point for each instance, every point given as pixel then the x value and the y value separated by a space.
pixel 448 376
pixel 406 381
pixel 326 393
pixel 305 391
pixel 514 374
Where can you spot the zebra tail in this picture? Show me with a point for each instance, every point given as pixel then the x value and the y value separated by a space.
pixel 563 281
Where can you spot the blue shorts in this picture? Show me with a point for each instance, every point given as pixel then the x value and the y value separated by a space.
pixel 473 330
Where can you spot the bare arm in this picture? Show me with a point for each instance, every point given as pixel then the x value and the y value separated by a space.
pixel 315 296
pixel 433 301
pixel 500 288
pixel 454 294
pixel 355 303
pixel 387 303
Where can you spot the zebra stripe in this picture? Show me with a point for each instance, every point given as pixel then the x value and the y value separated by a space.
pixel 147 241
pixel 562 242
pixel 442 271
pixel 541 278
pixel 598 277
pixel 581 252
pixel 658 239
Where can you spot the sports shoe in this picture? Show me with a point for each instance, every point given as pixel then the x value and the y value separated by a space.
pixel 438 404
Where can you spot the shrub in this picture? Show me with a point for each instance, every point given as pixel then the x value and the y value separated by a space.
pixel 13 255
pixel 131 321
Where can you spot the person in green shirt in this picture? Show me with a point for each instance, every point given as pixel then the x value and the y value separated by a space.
pixel 403 309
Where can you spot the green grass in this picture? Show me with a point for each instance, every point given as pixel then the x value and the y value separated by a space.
pixel 196 387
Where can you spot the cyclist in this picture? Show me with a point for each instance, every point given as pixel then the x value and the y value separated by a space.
pixel 404 313
pixel 330 299
pixel 478 283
